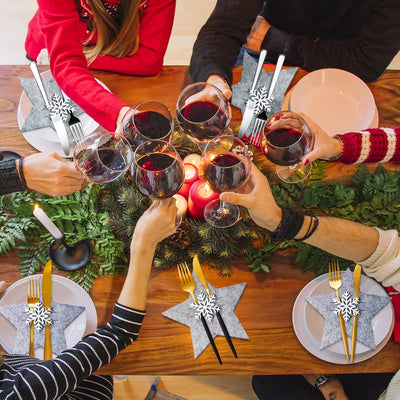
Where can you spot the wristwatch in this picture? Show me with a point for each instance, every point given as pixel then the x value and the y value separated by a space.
pixel 320 381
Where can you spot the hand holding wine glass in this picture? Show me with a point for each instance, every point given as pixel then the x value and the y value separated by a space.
pixel 158 170
pixel 148 120
pixel 102 156
pixel 287 138
pixel 226 168
pixel 203 112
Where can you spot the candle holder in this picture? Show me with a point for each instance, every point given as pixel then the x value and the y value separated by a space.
pixel 70 257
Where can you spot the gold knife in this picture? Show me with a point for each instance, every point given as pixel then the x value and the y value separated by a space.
pixel 357 278
pixel 46 294
pixel 199 273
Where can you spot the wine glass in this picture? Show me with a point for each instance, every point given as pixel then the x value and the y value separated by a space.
pixel 158 170
pixel 102 156
pixel 203 112
pixel 147 121
pixel 287 138
pixel 226 168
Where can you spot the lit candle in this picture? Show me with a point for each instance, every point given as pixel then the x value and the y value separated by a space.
pixel 200 195
pixel 181 205
pixel 194 159
pixel 47 223
pixel 191 176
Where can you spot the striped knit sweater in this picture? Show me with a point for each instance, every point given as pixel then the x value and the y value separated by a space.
pixel 69 376
pixel 371 145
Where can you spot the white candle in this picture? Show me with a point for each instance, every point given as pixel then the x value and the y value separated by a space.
pixel 47 223
pixel 181 204
pixel 194 159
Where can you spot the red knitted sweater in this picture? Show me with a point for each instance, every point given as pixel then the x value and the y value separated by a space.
pixel 59 27
pixel 371 145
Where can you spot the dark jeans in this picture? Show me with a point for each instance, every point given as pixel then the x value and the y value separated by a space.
pixel 295 387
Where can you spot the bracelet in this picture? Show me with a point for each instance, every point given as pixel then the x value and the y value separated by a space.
pixel 339 156
pixel 314 221
pixel 290 225
pixel 20 170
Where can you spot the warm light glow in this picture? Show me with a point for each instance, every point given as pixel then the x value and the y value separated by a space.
pixel 36 206
pixel 181 204
pixel 205 190
pixel 194 159
pixel 190 171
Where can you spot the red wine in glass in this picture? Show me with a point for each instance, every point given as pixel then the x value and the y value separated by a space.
pixel 159 175
pixel 101 166
pixel 226 172
pixel 147 125
pixel 287 138
pixel 285 146
pixel 202 120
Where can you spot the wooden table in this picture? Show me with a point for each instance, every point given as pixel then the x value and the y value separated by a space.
pixel 164 347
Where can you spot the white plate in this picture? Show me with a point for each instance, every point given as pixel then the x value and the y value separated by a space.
pixel 45 139
pixel 308 324
pixel 336 100
pixel 63 291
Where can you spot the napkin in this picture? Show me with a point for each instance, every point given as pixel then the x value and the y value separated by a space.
pixel 226 299
pixel 39 115
pixel 62 315
pixel 395 296
pixel 241 90
pixel 369 305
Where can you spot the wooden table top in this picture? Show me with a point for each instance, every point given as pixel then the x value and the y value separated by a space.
pixel 164 346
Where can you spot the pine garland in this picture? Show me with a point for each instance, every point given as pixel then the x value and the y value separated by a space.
pixel 107 215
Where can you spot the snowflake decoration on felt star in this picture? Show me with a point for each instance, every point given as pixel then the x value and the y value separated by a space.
pixel 39 316
pixel 347 305
pixel 206 306
pixel 61 107
pixel 261 100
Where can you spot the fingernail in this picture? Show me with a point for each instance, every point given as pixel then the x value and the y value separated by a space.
pixel 305 162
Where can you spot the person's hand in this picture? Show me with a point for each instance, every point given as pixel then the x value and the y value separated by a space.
pixel 50 174
pixel 259 200
pixel 331 389
pixel 221 84
pixel 124 114
pixel 2 288
pixel 258 31
pixel 325 146
pixel 156 223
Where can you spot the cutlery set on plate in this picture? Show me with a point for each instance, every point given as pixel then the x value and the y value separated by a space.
pixel 33 300
pixel 335 282
pixel 74 123
pixel 188 285
pixel 255 136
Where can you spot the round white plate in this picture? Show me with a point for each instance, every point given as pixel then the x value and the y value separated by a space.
pixel 45 139
pixel 336 100
pixel 308 324
pixel 63 291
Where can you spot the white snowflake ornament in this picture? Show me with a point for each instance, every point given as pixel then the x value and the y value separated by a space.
pixel 347 305
pixel 206 306
pixel 39 316
pixel 261 100
pixel 61 107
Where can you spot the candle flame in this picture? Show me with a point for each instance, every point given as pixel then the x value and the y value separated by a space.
pixel 36 206
pixel 207 187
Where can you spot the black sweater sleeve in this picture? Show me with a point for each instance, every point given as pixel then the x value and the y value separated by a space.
pixel 220 39
pixel 366 55
pixel 9 179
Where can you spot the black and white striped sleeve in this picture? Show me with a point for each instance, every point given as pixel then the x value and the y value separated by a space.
pixel 52 379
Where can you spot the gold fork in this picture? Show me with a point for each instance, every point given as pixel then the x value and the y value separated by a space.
pixel 335 282
pixel 33 299
pixel 188 285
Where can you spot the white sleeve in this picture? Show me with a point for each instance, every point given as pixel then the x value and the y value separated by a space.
pixel 384 264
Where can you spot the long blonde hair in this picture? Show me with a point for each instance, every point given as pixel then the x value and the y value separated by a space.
pixel 118 39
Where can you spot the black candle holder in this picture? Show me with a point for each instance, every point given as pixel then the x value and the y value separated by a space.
pixel 70 257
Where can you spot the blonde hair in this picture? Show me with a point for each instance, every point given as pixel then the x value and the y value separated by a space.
pixel 1 360
pixel 115 38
